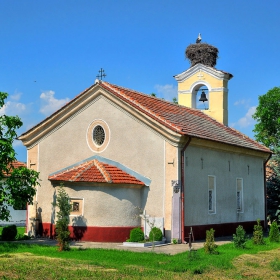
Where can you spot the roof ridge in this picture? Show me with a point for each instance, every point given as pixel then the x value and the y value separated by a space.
pixel 102 170
pixel 84 168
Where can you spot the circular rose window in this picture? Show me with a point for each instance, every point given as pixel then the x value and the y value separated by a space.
pixel 98 135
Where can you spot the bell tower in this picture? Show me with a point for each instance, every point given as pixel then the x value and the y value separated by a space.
pixel 202 86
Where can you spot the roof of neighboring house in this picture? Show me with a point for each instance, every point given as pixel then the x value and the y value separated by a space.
pixel 16 164
pixel 95 171
pixel 180 119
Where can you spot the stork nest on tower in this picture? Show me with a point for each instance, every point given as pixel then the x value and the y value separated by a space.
pixel 202 53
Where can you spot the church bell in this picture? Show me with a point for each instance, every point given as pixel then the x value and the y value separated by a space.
pixel 203 97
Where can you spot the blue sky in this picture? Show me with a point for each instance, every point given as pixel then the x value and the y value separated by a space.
pixel 52 50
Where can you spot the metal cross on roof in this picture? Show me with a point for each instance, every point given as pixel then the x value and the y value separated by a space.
pixel 101 74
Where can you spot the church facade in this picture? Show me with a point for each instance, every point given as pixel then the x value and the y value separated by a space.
pixel 117 150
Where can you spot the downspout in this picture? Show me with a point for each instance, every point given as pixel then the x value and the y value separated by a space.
pixel 265 191
pixel 183 190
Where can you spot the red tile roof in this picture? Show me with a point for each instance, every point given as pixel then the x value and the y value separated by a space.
pixel 16 164
pixel 181 119
pixel 184 120
pixel 95 171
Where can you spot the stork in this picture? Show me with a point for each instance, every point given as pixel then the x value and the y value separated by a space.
pixel 198 40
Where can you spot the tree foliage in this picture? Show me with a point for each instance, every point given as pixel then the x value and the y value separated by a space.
pixel 17 185
pixel 267 115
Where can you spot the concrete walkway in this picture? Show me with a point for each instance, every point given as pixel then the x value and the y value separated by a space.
pixel 167 248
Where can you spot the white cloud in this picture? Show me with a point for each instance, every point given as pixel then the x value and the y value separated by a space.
pixel 247 120
pixel 12 108
pixel 166 91
pixel 16 96
pixel 49 103
pixel 244 102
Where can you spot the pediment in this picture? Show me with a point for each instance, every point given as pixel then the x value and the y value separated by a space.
pixel 82 102
pixel 195 70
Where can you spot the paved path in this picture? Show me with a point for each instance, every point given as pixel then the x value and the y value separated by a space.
pixel 171 249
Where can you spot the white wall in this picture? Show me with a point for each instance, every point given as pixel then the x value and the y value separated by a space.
pixel 217 163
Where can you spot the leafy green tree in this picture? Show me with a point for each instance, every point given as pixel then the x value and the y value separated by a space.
pixel 174 100
pixel 267 131
pixel 267 115
pixel 61 226
pixel 273 187
pixel 17 185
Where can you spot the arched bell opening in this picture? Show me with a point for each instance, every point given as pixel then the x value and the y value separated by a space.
pixel 200 97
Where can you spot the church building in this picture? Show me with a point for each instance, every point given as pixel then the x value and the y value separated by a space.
pixel 116 150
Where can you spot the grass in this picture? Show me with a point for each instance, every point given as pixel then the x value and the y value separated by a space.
pixel 26 261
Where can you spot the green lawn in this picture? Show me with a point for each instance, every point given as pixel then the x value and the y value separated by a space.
pixel 43 262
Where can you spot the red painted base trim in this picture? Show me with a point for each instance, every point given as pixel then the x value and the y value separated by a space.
pixel 228 229
pixel 94 234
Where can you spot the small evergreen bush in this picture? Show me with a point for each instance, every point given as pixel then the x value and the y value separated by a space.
pixel 274 232
pixel 9 233
pixel 209 246
pixel 258 234
pixel 155 234
pixel 61 226
pixel 240 238
pixel 136 235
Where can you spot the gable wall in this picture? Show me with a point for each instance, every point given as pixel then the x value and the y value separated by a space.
pixel 131 144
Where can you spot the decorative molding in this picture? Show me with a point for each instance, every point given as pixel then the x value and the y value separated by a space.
pixel 90 142
pixel 197 68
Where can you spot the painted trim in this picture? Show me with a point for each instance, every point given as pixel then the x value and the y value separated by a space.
pixel 209 70
pixel 145 180
pixel 225 229
pixel 90 233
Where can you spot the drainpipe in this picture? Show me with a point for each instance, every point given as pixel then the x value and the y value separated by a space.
pixel 265 192
pixel 183 189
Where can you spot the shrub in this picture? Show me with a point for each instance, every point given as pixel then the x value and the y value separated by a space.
pixel 274 232
pixel 240 238
pixel 9 233
pixel 155 234
pixel 258 234
pixel 209 246
pixel 136 235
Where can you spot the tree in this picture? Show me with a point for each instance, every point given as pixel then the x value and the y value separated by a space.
pixel 273 187
pixel 61 226
pixel 267 115
pixel 267 131
pixel 174 100
pixel 17 185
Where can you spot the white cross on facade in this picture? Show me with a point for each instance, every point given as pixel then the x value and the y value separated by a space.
pixel 200 75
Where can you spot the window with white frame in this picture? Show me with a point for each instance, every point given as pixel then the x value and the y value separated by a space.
pixel 239 194
pixel 211 194
pixel 77 205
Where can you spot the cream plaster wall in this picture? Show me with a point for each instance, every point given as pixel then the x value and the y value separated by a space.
pixel 171 173
pixel 131 143
pixel 217 163
pixel 105 205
